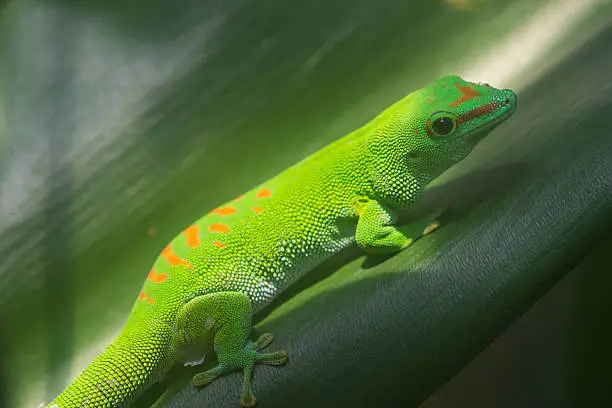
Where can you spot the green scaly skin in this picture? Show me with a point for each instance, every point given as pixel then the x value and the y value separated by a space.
pixel 205 286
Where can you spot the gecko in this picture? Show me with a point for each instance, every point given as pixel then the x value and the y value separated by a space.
pixel 207 283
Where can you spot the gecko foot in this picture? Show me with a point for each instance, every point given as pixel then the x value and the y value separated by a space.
pixel 244 359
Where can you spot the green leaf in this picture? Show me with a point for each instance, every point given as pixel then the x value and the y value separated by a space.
pixel 120 116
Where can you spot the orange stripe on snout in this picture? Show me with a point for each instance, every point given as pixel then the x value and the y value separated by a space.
pixel 173 259
pixel 467 94
pixel 477 112
pixel 193 236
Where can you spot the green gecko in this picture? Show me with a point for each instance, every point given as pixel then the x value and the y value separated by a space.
pixel 205 286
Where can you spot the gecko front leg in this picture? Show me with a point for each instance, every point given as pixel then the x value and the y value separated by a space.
pixel 377 233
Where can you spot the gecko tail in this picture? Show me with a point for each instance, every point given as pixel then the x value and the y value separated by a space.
pixel 136 359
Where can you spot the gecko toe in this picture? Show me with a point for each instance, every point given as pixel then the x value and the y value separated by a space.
pixel 276 358
pixel 247 399
pixel 431 228
pixel 262 342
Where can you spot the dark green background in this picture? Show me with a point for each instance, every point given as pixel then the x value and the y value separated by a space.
pixel 122 121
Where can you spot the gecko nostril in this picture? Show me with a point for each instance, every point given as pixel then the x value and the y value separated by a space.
pixel 508 98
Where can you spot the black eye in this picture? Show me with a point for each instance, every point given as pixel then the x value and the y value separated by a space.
pixel 442 126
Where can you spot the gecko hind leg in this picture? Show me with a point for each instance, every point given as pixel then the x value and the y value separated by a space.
pixel 232 314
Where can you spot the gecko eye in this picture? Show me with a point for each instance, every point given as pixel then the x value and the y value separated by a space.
pixel 441 124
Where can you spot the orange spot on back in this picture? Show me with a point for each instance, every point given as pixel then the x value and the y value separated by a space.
pixel 467 94
pixel 193 236
pixel 151 300
pixel 218 227
pixel 264 193
pixel 157 277
pixel 257 210
pixel 173 259
pixel 142 295
pixel 219 244
pixel 240 197
pixel 223 211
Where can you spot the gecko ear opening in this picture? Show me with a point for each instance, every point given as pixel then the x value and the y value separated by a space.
pixel 412 155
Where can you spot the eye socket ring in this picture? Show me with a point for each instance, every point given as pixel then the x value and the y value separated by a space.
pixel 441 124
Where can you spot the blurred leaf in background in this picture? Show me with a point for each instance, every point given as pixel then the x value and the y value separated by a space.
pixel 114 116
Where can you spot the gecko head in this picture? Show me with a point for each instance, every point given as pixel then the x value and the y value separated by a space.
pixel 437 126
